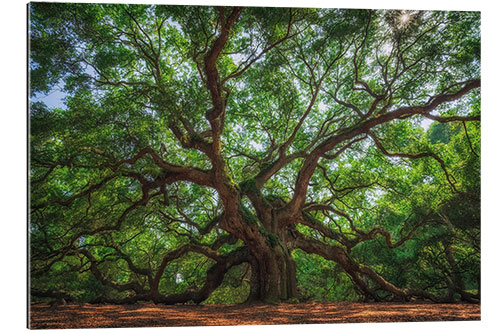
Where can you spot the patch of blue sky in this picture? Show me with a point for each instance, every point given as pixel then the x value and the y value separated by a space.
pixel 426 123
pixel 54 99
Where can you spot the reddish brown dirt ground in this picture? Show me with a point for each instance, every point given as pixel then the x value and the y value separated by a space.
pixel 149 315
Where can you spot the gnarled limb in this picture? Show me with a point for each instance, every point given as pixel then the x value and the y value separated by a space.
pixel 337 254
pixel 56 294
pixel 311 161
pixel 211 72
pixel 215 276
pixel 415 156
pixel 133 285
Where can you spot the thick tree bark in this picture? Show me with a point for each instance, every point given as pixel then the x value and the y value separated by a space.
pixel 273 276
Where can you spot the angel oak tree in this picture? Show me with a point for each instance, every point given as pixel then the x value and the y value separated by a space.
pixel 238 135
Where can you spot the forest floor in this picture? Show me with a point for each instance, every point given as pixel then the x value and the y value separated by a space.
pixel 150 315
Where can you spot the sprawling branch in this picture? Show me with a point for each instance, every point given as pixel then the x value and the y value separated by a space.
pixel 452 118
pixel 309 166
pixel 215 276
pixel 415 156
pixel 337 254
pixel 171 172
pixel 94 268
pixel 387 236
pixel 56 294
pixel 67 202
pixel 308 220
pixel 212 74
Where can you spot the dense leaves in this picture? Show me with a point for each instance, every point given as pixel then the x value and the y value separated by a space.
pixel 227 154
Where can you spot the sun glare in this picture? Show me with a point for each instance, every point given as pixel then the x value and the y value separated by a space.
pixel 404 19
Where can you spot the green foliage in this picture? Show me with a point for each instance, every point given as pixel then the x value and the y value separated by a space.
pixel 322 280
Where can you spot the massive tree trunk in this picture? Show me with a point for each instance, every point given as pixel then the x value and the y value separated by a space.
pixel 273 273
pixel 269 245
